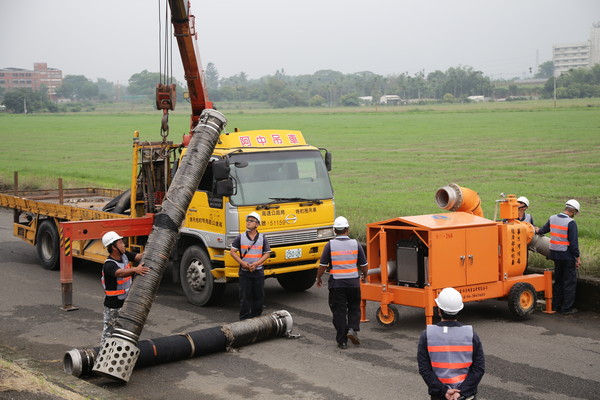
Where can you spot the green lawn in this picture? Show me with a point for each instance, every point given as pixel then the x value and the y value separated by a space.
pixel 388 162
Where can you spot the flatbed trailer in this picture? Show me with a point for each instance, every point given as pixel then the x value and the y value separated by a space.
pixel 66 223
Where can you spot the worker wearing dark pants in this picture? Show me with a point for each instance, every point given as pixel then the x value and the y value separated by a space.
pixel 344 303
pixel 564 251
pixel 250 250
pixel 345 256
pixel 450 355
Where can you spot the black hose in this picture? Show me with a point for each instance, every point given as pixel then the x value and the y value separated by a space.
pixel 162 239
pixel 79 362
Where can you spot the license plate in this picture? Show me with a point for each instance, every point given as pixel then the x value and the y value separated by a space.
pixel 293 253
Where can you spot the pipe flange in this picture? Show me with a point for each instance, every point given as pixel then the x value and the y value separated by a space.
pixel 458 199
pixel 284 320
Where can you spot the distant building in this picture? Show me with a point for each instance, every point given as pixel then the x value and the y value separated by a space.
pixel 595 45
pixel 568 56
pixel 390 99
pixel 575 55
pixel 19 78
pixel 365 99
pixel 476 98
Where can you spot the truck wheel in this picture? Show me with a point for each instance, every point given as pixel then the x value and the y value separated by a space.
pixel 521 300
pixel 298 281
pixel 197 281
pixel 390 319
pixel 47 245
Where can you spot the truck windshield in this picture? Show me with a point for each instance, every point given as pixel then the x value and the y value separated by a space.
pixel 280 175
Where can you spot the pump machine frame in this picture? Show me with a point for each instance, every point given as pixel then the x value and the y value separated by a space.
pixel 481 258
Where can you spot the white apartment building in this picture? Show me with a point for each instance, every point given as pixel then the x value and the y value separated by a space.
pixel 568 56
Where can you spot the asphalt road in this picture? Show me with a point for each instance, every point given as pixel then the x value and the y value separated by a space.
pixel 546 357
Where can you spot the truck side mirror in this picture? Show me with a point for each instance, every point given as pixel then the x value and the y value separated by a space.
pixel 328 160
pixel 221 169
pixel 224 187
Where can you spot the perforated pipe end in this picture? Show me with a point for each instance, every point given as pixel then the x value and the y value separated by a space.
pixel 116 359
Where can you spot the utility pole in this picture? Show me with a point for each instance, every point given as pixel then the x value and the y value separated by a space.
pixel 555 91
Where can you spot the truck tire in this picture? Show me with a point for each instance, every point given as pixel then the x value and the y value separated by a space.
pixel 522 300
pixel 197 282
pixel 298 281
pixel 47 245
pixel 390 319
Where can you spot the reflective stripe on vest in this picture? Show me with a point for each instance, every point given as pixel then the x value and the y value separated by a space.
pixel 344 256
pixel 527 218
pixel 252 252
pixel 559 232
pixel 451 352
pixel 123 284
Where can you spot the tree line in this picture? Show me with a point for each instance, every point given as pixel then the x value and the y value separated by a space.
pixel 325 88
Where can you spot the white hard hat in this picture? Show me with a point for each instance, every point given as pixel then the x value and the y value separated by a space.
pixel 450 301
pixel 340 223
pixel 573 204
pixel 523 200
pixel 110 238
pixel 255 215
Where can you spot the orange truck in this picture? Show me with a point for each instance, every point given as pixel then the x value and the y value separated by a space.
pixel 481 258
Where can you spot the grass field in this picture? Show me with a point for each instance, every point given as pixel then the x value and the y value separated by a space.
pixel 388 162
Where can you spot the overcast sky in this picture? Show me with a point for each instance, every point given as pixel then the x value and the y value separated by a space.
pixel 114 39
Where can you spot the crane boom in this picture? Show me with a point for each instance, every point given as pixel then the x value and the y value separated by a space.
pixel 186 35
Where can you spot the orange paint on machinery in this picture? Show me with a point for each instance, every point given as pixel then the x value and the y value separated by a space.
pixel 481 258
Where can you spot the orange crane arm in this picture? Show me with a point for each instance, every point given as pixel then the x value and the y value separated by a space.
pixel 185 32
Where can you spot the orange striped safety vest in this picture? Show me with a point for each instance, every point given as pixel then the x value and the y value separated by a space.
pixel 344 256
pixel 559 232
pixel 250 249
pixel 123 284
pixel 451 352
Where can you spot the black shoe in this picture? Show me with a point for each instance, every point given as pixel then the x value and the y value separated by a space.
pixel 353 336
pixel 343 345
pixel 570 312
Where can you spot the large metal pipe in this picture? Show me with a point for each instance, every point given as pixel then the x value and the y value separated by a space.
pixel 455 198
pixel 391 270
pixel 540 244
pixel 79 362
pixel 119 354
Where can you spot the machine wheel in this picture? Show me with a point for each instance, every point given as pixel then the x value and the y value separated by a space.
pixel 298 281
pixel 521 300
pixel 197 282
pixel 47 245
pixel 390 319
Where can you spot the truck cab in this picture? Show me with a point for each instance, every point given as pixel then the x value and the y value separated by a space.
pixel 276 174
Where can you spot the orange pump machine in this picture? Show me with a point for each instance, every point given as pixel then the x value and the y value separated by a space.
pixel 481 258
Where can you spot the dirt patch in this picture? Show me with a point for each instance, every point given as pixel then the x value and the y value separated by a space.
pixel 19 383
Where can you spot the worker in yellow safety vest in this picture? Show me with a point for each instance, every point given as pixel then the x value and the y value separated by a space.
pixel 450 355
pixel 117 274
